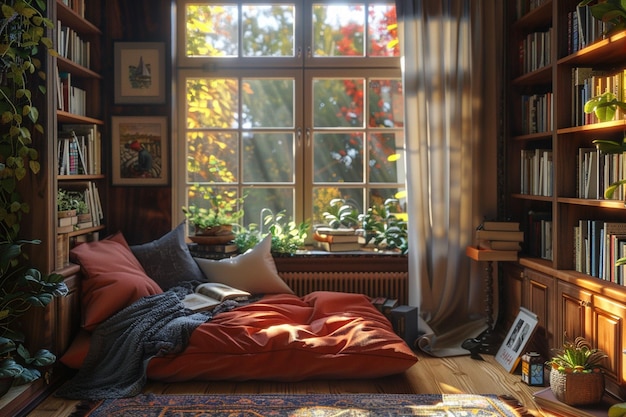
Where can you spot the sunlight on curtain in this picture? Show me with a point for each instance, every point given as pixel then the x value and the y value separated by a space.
pixel 450 69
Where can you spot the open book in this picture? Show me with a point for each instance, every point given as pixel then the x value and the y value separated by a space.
pixel 208 295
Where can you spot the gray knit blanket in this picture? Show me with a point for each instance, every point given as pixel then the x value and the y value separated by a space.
pixel 122 346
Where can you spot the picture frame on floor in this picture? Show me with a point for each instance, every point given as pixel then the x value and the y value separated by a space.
pixel 516 339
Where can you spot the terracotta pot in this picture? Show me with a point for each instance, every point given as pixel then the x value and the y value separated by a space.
pixel 577 388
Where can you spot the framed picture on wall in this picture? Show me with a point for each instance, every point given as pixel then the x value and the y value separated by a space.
pixel 139 72
pixel 140 150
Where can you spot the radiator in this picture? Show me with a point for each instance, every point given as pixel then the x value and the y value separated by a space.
pixel 373 284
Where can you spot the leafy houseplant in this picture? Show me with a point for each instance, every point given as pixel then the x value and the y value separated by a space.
pixel 604 106
pixel 287 235
pixel 22 288
pixel 23 42
pixel 339 214
pixel 384 226
pixel 576 376
pixel 223 209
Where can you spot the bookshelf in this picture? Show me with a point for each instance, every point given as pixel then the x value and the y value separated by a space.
pixel 78 130
pixel 562 177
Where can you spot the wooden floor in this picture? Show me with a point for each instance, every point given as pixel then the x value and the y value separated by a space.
pixel 429 375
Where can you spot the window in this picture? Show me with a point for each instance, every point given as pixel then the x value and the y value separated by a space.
pixel 290 103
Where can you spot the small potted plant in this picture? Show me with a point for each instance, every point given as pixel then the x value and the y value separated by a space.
pixel 216 219
pixel 576 374
pixel 604 106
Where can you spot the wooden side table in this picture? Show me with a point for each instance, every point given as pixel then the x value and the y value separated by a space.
pixel 488 341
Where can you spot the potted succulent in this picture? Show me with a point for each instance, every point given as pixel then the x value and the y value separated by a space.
pixel 339 214
pixel 576 373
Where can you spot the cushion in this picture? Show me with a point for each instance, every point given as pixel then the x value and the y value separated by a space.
pixel 168 260
pixel 113 279
pixel 253 271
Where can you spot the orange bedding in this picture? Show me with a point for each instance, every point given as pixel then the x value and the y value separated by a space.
pixel 283 337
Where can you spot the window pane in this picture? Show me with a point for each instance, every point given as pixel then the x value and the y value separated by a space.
pixel 274 199
pixel 268 102
pixel 212 102
pixel 378 196
pixel 268 30
pixel 386 152
pixel 386 103
pixel 212 157
pixel 382 31
pixel 338 102
pixel 212 31
pixel 338 30
pixel 322 197
pixel 338 157
pixel 268 157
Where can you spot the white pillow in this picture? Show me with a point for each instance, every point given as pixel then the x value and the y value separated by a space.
pixel 253 271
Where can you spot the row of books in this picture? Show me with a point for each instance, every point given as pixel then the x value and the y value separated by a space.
pixel 588 83
pixel 336 240
pixel 537 113
pixel 71 46
pixel 597 245
pixel 78 149
pixel 596 171
pixel 88 191
pixel 213 251
pixel 539 234
pixel 535 51
pixel 70 98
pixel 537 171
pixel 78 6
pixel 522 7
pixel 583 29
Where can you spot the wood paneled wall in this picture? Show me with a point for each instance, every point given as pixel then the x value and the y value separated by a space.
pixel 141 213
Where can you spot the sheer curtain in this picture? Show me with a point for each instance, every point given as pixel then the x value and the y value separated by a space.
pixel 452 80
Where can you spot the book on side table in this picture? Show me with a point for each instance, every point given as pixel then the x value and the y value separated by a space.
pixel 208 295
pixel 546 400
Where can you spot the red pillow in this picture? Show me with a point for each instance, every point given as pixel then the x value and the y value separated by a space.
pixel 113 279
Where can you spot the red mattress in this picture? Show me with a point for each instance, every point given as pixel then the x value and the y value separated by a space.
pixel 283 337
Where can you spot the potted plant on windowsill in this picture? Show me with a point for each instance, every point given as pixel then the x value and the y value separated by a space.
pixel 576 374
pixel 214 222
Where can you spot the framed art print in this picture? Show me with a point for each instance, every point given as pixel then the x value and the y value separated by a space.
pixel 140 150
pixel 516 339
pixel 139 72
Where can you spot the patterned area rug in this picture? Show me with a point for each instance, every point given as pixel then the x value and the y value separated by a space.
pixel 304 405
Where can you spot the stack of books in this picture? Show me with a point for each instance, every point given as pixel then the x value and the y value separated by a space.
pixel 215 251
pixel 499 241
pixel 336 240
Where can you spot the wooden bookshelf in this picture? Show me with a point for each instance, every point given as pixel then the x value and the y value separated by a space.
pixel 566 300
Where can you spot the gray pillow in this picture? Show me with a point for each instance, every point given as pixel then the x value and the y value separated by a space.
pixel 167 260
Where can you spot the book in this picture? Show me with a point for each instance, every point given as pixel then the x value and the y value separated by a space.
pixel 335 232
pixel 491 255
pixel 546 400
pixel 501 226
pixel 506 235
pixel 499 245
pixel 336 247
pixel 206 296
pixel 325 237
pixel 215 248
